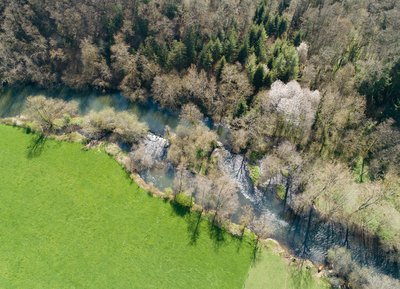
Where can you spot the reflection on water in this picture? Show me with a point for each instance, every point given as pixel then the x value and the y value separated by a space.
pixel 162 178
pixel 12 104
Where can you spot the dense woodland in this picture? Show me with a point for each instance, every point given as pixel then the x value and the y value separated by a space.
pixel 309 88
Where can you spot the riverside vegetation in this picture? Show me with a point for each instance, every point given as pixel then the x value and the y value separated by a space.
pixel 306 91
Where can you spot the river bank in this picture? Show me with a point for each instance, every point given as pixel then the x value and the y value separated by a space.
pixel 302 238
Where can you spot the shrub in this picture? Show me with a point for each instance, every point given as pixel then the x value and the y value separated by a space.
pixel 183 200
pixel 106 123
pixel 254 173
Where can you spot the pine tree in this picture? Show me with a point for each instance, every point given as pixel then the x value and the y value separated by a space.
pixel 282 26
pixel 259 77
pixel 251 66
pixel 190 42
pixel 217 49
pixel 260 45
pixel 245 50
pixel 230 46
pixel 253 35
pixel 177 57
pixel 285 65
pixel 206 60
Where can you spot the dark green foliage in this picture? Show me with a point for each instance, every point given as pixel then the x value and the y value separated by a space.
pixel 383 94
pixel 297 38
pixel 171 9
pixel 261 13
pixel 191 44
pixel 217 49
pixel 261 44
pixel 244 51
pixel 241 109
pixel 259 79
pixel 220 67
pixel 177 57
pixel 284 62
pixel 231 46
pixel 206 57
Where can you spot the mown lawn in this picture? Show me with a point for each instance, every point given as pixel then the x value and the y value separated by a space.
pixel 71 218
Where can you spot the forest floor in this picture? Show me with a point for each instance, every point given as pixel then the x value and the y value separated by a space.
pixel 72 218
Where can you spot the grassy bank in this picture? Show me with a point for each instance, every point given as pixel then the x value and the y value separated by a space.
pixel 270 270
pixel 74 219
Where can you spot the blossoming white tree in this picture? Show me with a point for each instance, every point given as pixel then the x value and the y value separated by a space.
pixel 296 106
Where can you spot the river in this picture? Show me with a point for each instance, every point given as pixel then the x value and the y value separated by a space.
pixel 308 240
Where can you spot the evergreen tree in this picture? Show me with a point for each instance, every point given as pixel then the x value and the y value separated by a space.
pixel 217 49
pixel 259 77
pixel 190 42
pixel 285 65
pixel 251 66
pixel 270 26
pixel 177 57
pixel 297 38
pixel 230 45
pixel 253 35
pixel 219 68
pixel 244 51
pixel 282 26
pixel 260 45
pixel 206 56
pixel 260 13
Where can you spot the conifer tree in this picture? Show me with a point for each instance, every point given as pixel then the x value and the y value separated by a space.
pixel 177 57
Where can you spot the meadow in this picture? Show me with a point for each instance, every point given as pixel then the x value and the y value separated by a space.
pixel 71 218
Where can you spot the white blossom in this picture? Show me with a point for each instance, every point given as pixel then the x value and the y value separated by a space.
pixel 296 105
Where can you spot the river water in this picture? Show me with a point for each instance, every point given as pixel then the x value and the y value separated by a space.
pixel 303 238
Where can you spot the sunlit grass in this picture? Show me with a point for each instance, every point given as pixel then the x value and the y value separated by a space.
pixel 73 219
pixel 270 270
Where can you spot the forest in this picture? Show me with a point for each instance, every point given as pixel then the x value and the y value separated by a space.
pixel 308 89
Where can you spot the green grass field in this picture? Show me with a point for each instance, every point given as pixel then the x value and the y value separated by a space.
pixel 269 271
pixel 71 218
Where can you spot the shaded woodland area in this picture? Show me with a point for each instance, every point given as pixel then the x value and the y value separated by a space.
pixel 308 88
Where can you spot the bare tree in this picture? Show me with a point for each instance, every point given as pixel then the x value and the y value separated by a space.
pixel 46 111
pixel 109 123
pixel 223 197
pixel 167 90
pixel 234 88
pixel 204 188
pixel 246 217
pixel 191 114
pixel 183 181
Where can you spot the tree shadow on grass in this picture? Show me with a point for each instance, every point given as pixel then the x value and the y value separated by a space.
pixel 300 276
pixel 256 251
pixel 239 242
pixel 36 146
pixel 180 210
pixel 217 234
pixel 194 221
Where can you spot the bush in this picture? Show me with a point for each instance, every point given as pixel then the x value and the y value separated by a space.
pixel 183 200
pixel 254 173
pixel 280 192
pixel 122 125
